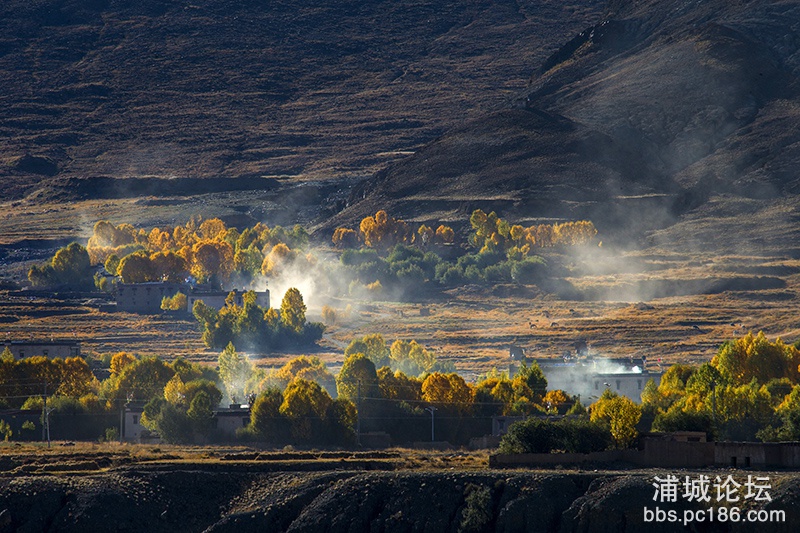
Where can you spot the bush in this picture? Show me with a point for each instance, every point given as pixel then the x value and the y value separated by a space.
pixel 537 435
pixel 529 271
pixel 111 435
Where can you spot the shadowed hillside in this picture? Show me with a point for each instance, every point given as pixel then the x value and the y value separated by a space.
pixel 241 88
pixel 634 122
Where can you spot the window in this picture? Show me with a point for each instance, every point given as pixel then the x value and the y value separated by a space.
pixel 245 421
pixel 618 382
pixel 135 420
pixel 45 352
pixel 639 382
pixel 596 385
pixel 21 354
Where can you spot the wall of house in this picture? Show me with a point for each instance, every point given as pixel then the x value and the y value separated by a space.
pixel 659 453
pixel 145 297
pixel 133 426
pixel 590 385
pixel 230 421
pixel 217 299
pixel 22 350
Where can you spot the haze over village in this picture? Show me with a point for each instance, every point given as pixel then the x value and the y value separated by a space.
pixel 312 266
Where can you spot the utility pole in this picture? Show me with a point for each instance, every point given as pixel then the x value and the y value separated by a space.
pixel 431 410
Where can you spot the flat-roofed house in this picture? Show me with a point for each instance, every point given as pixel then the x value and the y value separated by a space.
pixel 47 348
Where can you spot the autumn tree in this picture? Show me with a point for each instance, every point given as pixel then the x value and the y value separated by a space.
pixel 382 231
pixel 345 238
pixel 176 302
pixel 119 361
pixel 358 374
pixel 448 391
pixel 293 310
pixel 70 266
pixel 140 380
pixel 174 390
pixel 266 419
pixel 373 346
pixel 398 386
pixel 619 414
pixel 168 266
pixel 754 356
pixel 212 259
pixel 444 235
pixel 136 268
pixel 77 379
pixel 411 357
pixel 305 405
pixel 310 368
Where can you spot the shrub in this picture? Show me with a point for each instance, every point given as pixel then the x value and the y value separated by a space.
pixel 537 435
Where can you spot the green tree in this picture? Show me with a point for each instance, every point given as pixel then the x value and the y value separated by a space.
pixel 141 380
pixel 305 405
pixel 170 421
pixel 201 412
pixel 266 418
pixel 533 377
pixel 234 371
pixel 373 346
pixel 357 371
pixel 70 266
pixel 209 388
pixel 5 430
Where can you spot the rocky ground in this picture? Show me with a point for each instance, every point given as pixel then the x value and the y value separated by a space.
pixel 345 495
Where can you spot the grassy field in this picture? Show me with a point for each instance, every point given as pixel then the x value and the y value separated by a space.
pixel 471 326
pixel 36 458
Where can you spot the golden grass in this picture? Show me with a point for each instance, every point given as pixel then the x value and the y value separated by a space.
pixel 35 458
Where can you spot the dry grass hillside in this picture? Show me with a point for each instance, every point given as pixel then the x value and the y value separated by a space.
pixel 244 88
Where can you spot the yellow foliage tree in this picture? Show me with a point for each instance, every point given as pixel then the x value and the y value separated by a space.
pixel 620 414
pixel 345 238
pixel 119 361
pixel 175 390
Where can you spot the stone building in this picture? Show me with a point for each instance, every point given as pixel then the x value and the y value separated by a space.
pixel 146 297
pixel 47 348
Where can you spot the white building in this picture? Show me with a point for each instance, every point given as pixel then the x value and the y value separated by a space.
pixel 590 378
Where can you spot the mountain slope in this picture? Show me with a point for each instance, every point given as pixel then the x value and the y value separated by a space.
pixel 239 87
pixel 658 108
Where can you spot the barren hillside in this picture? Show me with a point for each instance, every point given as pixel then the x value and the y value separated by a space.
pixel 244 88
pixel 634 122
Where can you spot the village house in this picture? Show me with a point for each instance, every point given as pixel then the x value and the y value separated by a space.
pixel 53 348
pixel 226 421
pixel 217 299
pixel 146 297
pixel 590 378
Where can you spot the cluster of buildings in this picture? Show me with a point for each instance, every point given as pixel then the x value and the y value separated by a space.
pixel 146 298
